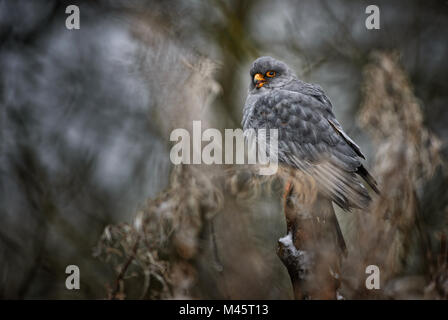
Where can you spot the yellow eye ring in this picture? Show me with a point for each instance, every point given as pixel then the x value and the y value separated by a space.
pixel 270 74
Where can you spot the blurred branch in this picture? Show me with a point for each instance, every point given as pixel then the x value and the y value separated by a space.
pixel 346 40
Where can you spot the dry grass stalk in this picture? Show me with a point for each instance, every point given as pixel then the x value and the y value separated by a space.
pixel 407 155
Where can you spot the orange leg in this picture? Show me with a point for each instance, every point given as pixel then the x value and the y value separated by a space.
pixel 287 191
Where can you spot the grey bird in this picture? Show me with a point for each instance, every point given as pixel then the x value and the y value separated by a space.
pixel 310 139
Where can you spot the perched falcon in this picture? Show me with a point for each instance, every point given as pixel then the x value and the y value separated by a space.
pixel 310 139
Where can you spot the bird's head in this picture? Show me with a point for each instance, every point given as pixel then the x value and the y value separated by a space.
pixel 267 72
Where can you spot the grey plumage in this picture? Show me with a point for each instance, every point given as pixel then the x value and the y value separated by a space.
pixel 310 137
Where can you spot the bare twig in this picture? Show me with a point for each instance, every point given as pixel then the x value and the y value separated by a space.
pixel 115 294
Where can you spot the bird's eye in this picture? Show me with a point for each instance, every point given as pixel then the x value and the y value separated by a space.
pixel 270 74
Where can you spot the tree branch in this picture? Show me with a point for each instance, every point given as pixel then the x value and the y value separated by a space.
pixel 310 250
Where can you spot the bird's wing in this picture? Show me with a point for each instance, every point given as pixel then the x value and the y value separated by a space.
pixel 326 108
pixel 310 142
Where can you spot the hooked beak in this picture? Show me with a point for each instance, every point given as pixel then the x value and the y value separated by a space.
pixel 259 80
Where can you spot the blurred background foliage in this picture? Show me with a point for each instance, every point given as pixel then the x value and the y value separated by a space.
pixel 85 117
